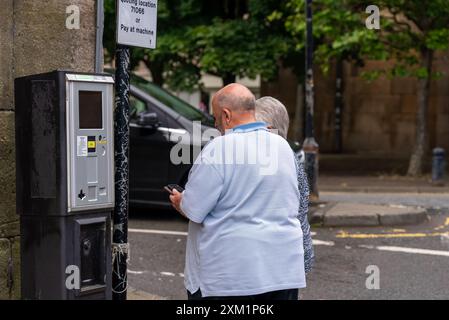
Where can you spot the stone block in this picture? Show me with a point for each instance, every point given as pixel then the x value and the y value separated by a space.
pixel 409 103
pixel 401 85
pixel 6 55
pixel 5 254
pixel 9 230
pixel 7 165
pixel 45 35
pixel 15 254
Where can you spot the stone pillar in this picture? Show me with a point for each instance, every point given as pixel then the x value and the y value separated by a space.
pixel 9 225
pixel 33 39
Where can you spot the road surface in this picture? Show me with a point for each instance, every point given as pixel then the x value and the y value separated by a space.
pixel 351 263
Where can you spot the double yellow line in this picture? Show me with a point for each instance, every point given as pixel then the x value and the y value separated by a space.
pixel 347 235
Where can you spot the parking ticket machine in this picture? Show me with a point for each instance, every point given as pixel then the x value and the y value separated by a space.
pixel 65 184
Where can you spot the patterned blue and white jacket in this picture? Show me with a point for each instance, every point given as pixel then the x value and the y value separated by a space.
pixel 303 186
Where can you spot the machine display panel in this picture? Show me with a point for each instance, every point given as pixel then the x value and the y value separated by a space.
pixel 90 110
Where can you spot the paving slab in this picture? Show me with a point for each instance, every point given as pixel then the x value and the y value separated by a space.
pixel 134 294
pixel 363 215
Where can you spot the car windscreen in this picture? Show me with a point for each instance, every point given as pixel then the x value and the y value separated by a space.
pixel 171 101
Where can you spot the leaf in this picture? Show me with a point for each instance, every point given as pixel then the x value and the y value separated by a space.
pixel 438 39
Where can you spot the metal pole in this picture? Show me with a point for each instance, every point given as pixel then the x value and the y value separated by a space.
pixel 298 123
pixel 339 106
pixel 99 37
pixel 121 139
pixel 310 146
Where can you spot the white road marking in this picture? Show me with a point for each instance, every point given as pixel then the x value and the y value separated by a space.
pixel 169 274
pixel 135 272
pixel 407 250
pixel 317 242
pixel 366 246
pixel 180 233
pixel 152 231
pixel 414 250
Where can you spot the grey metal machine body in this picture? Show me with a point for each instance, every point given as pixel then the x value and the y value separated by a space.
pixel 65 184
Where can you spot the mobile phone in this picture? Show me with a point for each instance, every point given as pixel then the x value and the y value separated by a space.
pixel 169 188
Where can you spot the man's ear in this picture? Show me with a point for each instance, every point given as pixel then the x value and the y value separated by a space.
pixel 228 115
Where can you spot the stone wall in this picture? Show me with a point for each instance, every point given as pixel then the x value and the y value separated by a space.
pixel 33 39
pixel 379 117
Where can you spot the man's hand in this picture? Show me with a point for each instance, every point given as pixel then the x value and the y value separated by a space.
pixel 175 199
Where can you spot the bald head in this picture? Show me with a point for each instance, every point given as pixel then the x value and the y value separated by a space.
pixel 232 106
pixel 235 97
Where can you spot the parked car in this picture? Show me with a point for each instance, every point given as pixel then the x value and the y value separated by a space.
pixel 158 121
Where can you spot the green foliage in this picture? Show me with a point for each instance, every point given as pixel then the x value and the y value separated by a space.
pixel 416 28
pixel 171 62
pixel 437 39
pixel 250 37
pixel 238 47
pixel 223 38
pixel 410 33
pixel 338 28
pixel 407 29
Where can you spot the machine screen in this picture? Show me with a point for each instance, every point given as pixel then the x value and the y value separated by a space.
pixel 90 110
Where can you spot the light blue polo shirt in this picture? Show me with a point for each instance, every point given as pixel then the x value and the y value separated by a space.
pixel 242 199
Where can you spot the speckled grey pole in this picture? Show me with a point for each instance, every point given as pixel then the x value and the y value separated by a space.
pixel 310 146
pixel 121 141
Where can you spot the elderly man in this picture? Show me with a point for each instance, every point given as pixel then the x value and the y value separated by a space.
pixel 245 240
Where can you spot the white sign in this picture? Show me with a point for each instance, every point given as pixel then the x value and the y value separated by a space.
pixel 136 23
pixel 81 146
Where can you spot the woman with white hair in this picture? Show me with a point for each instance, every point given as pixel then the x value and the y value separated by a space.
pixel 275 115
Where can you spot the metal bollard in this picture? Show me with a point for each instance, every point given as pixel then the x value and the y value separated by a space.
pixel 438 166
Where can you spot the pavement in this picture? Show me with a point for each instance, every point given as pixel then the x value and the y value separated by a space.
pixel 375 174
pixel 380 184
pixel 134 294
pixel 395 200
pixel 334 214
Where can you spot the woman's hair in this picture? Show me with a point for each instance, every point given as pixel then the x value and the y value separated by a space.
pixel 274 113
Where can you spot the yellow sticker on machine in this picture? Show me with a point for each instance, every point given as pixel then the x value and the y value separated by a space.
pixel 91 144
